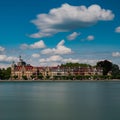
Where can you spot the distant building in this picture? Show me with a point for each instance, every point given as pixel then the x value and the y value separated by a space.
pixel 21 70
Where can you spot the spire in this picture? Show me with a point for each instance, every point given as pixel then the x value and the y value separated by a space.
pixel 20 59
pixel 13 64
pixel 21 62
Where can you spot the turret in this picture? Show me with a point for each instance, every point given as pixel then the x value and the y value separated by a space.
pixel 21 62
pixel 13 65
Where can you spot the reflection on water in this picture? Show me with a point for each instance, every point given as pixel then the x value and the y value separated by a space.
pixel 59 100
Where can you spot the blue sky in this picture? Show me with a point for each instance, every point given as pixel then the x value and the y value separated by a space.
pixel 52 32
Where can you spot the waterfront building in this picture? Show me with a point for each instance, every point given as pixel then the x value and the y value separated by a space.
pixel 21 71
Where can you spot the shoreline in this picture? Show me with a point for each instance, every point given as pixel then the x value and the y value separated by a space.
pixel 112 80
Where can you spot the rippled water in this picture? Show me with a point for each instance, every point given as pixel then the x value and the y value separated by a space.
pixel 60 101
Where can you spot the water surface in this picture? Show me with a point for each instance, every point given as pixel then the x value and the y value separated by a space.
pixel 60 101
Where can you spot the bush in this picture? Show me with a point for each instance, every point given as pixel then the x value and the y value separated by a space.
pixel 24 77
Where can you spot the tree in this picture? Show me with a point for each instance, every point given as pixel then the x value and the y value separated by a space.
pixel 40 76
pixel 15 76
pixel 0 74
pixel 47 77
pixel 24 77
pixel 5 73
pixel 115 70
pixel 74 65
pixel 105 65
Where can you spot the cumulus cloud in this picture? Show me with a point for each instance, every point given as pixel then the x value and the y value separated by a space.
pixel 117 29
pixel 55 58
pixel 70 60
pixel 90 38
pixel 4 65
pixel 35 55
pixel 116 54
pixel 68 17
pixel 24 46
pixel 37 45
pixel 5 58
pixel 52 60
pixel 87 61
pixel 58 58
pixel 2 49
pixel 73 36
pixel 60 49
pixel 5 61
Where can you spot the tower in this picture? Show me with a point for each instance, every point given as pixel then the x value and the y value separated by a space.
pixel 20 58
pixel 21 62
pixel 13 65
pixel 13 69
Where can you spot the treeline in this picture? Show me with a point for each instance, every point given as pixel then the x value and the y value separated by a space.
pixel 109 67
pixel 110 70
pixel 5 74
pixel 72 65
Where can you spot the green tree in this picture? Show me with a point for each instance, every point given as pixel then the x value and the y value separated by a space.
pixel 47 77
pixel 105 65
pixel 73 65
pixel 40 76
pixel 115 70
pixel 15 76
pixel 79 77
pixel 24 77
pixel 5 73
pixel 0 74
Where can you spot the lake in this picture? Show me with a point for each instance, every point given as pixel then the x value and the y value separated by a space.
pixel 60 100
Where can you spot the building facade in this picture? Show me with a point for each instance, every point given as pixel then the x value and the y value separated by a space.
pixel 21 71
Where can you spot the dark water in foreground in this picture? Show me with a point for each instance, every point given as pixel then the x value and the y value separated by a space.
pixel 60 101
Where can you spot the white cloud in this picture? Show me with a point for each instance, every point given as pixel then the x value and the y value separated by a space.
pixel 6 61
pixel 35 55
pixel 116 54
pixel 47 51
pixel 60 49
pixel 70 60
pixel 5 58
pixel 90 38
pixel 53 58
pixel 4 65
pixel 24 46
pixel 2 49
pixel 58 60
pixel 68 17
pixel 61 43
pixel 88 61
pixel 73 36
pixel 37 45
pixel 117 29
pixel 43 60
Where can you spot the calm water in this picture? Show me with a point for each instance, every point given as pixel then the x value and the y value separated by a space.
pixel 60 101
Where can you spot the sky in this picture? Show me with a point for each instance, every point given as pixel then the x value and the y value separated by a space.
pixel 54 32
